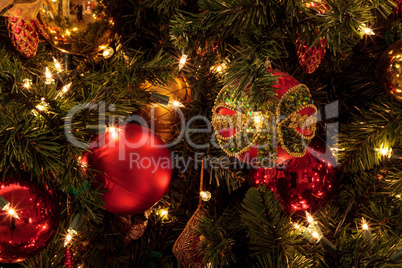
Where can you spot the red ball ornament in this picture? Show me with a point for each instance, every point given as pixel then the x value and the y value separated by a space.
pixel 285 126
pixel 36 220
pixel 135 168
pixel 304 184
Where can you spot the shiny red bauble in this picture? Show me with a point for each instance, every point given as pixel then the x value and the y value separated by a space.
pixel 303 184
pixel 135 168
pixel 37 211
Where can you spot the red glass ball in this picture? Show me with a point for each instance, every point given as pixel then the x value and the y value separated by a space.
pixel 37 220
pixel 135 168
pixel 305 183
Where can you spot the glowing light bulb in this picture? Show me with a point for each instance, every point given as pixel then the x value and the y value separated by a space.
pixel 182 61
pixel 364 224
pixel 310 219
pixel 49 80
pixel 175 104
pixel 40 107
pixel 114 132
pixel 315 235
pixel 163 212
pixel 69 237
pixel 57 65
pixel 385 151
pixel 48 74
pixel 10 211
pixel 108 52
pixel 27 83
pixel 66 88
pixel 205 195
pixel 364 30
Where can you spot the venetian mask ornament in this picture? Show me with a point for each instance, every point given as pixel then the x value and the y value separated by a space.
pixel 268 135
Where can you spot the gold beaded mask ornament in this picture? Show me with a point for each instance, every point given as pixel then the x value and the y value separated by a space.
pixel 268 135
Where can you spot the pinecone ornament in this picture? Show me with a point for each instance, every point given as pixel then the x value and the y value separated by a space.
pixel 310 57
pixel 24 35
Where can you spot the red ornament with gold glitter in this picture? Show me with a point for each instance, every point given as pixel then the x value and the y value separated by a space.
pixel 304 184
pixel 310 57
pixel 68 261
pixel 32 223
pixel 24 35
pixel 268 135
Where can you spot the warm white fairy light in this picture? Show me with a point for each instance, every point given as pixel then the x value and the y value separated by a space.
pixel 182 61
pixel 205 195
pixel 68 239
pixel 163 213
pixel 69 236
pixel 364 224
pixel 366 233
pixel 364 30
pixel 12 212
pixel 310 219
pixel 27 83
pixel 384 151
pixel 113 132
pixel 175 104
pixel 57 65
pixel 48 75
pixel 42 106
pixel 108 52
pixel 315 235
pixel 7 208
pixel 220 68
pixel 66 88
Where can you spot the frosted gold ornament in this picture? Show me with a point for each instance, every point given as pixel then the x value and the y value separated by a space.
pixel 390 70
pixel 27 9
pixel 166 118
pixel 76 27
